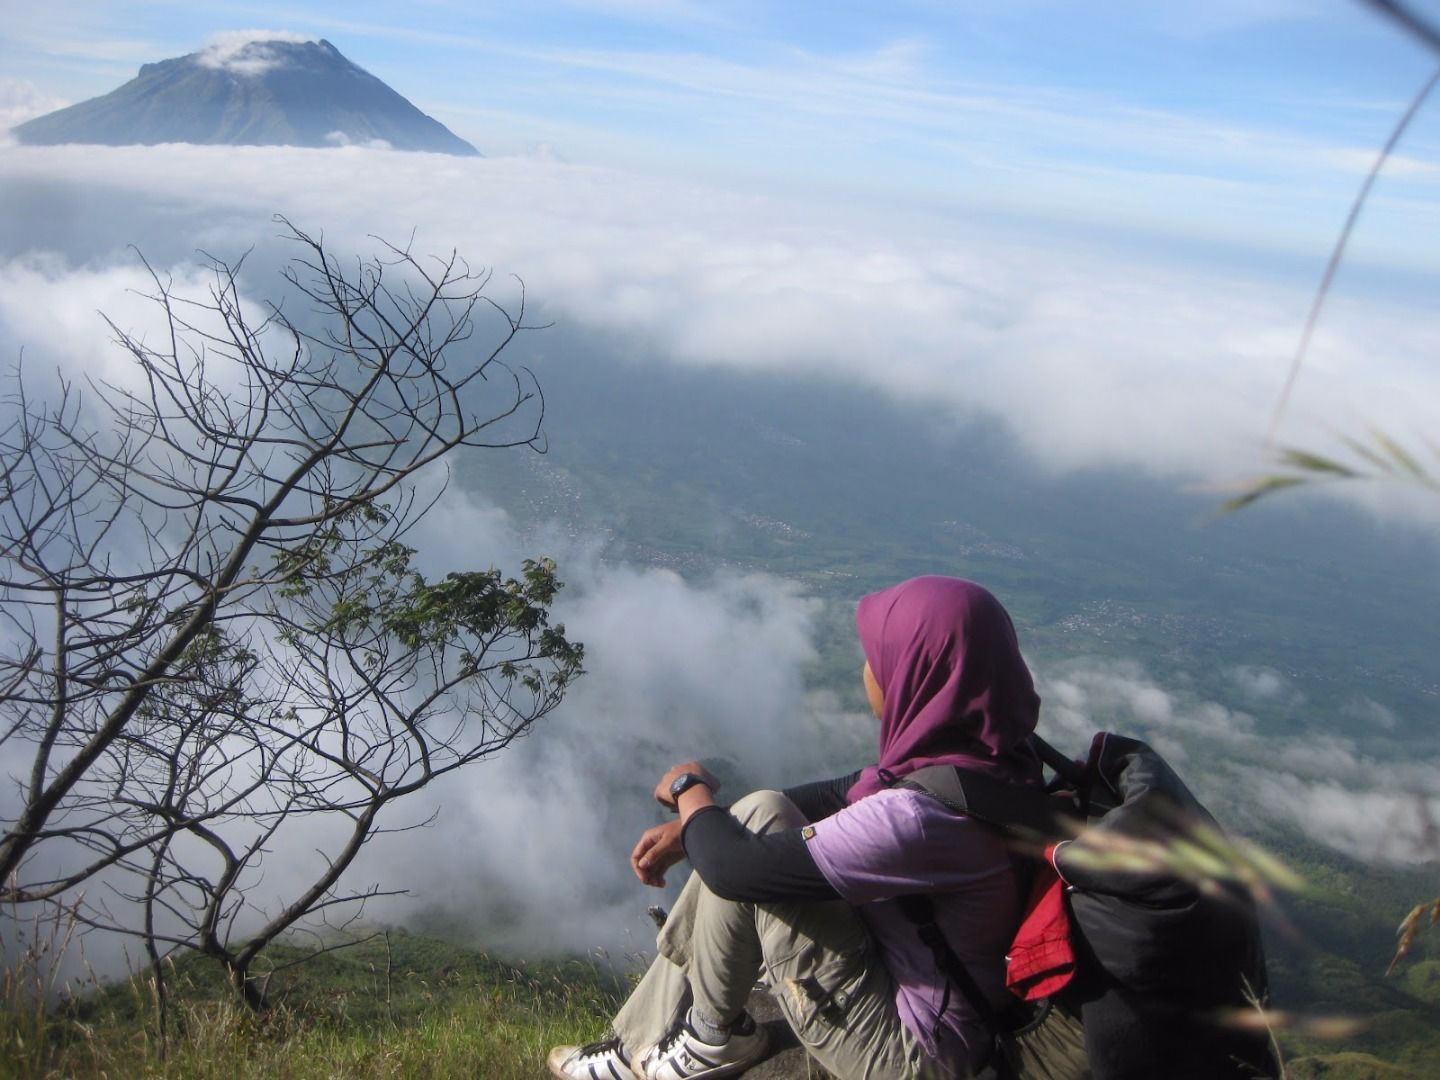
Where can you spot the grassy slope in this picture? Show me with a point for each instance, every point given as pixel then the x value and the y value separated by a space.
pixel 403 1005
pixel 407 1008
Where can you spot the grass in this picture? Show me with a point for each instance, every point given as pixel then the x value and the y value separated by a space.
pixel 405 1005
pixel 1348 1066
pixel 395 1005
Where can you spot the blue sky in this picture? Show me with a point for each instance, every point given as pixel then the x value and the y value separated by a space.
pixel 1245 124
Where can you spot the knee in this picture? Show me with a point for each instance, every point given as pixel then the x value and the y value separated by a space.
pixel 762 811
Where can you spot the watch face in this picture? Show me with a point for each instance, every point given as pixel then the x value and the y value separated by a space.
pixel 684 783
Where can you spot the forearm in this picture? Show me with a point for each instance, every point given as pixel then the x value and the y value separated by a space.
pixel 737 864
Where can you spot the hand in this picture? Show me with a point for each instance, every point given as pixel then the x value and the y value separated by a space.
pixel 658 850
pixel 662 789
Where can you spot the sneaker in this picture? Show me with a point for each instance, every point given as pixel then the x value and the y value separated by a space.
pixel 683 1055
pixel 603 1060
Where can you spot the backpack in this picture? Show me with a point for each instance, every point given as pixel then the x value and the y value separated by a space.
pixel 1164 962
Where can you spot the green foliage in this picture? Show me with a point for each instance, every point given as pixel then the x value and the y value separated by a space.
pixel 365 591
pixel 476 605
pixel 1422 980
pixel 1346 1066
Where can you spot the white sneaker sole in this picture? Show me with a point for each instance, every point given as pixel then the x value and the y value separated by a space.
pixel 719 1072
pixel 595 1070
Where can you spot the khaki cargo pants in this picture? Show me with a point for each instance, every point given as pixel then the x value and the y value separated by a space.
pixel 816 957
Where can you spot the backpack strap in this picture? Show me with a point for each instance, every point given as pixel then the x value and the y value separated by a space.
pixel 1023 812
pixel 1072 772
pixel 921 912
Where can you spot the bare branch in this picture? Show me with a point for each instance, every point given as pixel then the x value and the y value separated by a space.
pixel 212 630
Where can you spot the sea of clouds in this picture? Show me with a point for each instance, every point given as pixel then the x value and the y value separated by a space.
pixel 1090 356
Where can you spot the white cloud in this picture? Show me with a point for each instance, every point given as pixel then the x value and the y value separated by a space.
pixel 1323 784
pixel 245 52
pixel 1328 757
pixel 1371 825
pixel 339 138
pixel 650 12
pixel 1362 161
pixel 54 315
pixel 1086 696
pixel 1266 685
pixel 22 100
pixel 1371 713
pixel 1092 358
pixel 536 840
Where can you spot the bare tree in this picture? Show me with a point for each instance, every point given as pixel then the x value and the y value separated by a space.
pixel 214 635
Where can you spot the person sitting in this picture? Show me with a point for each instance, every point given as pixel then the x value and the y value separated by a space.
pixel 801 886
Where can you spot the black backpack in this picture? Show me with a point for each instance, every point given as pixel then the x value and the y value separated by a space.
pixel 1165 961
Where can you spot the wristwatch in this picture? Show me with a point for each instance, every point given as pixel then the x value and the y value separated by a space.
pixel 683 783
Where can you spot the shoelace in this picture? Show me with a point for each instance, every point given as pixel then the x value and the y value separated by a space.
pixel 743 1026
pixel 601 1047
pixel 674 1035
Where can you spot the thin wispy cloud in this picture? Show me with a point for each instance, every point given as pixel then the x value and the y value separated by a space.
pixel 73 31
pixel 651 12
pixel 21 100
pixel 1189 21
pixel 1071 153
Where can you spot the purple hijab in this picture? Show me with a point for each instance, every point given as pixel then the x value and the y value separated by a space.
pixel 957 691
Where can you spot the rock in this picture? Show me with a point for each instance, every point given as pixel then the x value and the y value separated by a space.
pixel 789 1060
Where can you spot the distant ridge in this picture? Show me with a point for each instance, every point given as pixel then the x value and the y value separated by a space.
pixel 279 91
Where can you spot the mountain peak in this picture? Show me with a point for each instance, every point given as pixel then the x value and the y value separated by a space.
pixel 250 88
pixel 255 52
